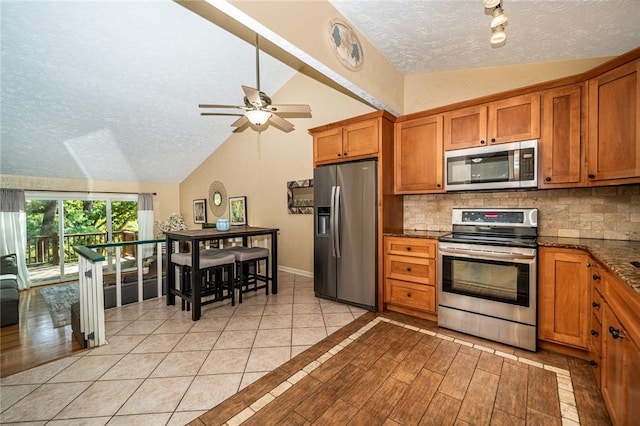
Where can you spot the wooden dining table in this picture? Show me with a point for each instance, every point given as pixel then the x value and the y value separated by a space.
pixel 197 236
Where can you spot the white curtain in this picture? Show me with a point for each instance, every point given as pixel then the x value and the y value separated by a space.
pixel 145 223
pixel 13 228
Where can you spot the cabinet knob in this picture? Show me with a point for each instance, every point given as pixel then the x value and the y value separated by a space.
pixel 408 248
pixel 592 176
pixel 589 265
pixel 547 179
pixel 493 140
pixel 408 294
pixel 595 304
pixel 594 363
pixel 482 142
pixel 615 333
pixel 339 155
pixel 596 277
pixel 438 185
pixel 345 154
pixel 408 269
pixel 594 333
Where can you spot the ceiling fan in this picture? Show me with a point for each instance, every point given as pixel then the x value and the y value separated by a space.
pixel 258 110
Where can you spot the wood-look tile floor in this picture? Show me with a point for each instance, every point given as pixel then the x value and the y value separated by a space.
pixel 397 370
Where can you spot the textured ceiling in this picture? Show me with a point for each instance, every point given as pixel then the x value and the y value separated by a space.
pixel 108 90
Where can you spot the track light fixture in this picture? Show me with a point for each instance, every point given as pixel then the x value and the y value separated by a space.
pixel 498 22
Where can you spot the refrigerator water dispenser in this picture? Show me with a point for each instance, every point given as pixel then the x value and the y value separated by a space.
pixel 323 221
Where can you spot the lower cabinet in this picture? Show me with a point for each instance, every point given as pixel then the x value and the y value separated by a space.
pixel 410 275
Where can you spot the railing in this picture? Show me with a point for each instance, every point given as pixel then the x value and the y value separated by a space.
pixel 91 283
pixel 45 249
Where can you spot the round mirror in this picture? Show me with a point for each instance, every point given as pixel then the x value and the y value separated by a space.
pixel 217 198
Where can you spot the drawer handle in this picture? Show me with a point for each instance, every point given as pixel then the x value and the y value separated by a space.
pixel 596 277
pixel 594 333
pixel 595 304
pixel 594 363
pixel 615 333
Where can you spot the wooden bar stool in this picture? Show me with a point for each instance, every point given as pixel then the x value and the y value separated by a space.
pixel 248 258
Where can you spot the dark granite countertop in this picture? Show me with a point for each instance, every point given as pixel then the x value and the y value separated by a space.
pixel 615 255
pixel 414 233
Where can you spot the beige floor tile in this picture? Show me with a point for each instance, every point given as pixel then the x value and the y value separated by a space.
pixel 178 364
pixel 269 322
pixel 43 403
pixel 243 323
pixel 278 299
pixel 158 343
pixel 134 366
pixel 307 320
pixel 157 314
pixel 157 396
pixel 337 319
pixel 235 339
pixel 307 308
pixel 218 311
pixel 208 391
pixel 333 329
pixel 250 377
pixel 141 327
pixel 118 345
pixel 296 350
pixel 271 338
pixel 304 299
pixel 221 361
pixel 140 419
pixel 113 327
pixel 279 309
pixel 175 326
pixel 40 374
pixel 87 369
pixel 197 342
pixel 209 324
pixel 246 310
pixel 100 399
pixel 267 359
pixel 84 421
pixel 330 307
pixel 12 394
pixel 307 336
pixel 122 314
pixel 251 298
pixel 181 418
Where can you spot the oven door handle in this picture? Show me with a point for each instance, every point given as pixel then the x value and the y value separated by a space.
pixel 489 255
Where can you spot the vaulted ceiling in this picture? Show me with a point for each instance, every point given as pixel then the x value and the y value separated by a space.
pixel 109 90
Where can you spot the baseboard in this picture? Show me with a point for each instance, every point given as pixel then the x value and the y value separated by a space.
pixel 295 271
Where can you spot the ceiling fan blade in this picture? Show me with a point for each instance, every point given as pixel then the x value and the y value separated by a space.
pixel 240 121
pixel 219 106
pixel 220 113
pixel 299 108
pixel 253 95
pixel 281 123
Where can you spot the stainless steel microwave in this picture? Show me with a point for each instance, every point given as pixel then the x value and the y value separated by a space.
pixel 502 166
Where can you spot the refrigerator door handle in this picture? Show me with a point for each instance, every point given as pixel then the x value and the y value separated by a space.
pixel 337 221
pixel 332 221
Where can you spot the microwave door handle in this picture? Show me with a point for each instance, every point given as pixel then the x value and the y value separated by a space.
pixel 516 165
pixel 487 255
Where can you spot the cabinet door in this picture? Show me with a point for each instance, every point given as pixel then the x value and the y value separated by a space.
pixel 560 153
pixel 465 128
pixel 419 156
pixel 327 145
pixel 563 297
pixel 614 125
pixel 360 139
pixel 514 119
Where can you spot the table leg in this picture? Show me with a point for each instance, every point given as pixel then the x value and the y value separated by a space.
pixel 195 280
pixel 171 274
pixel 274 262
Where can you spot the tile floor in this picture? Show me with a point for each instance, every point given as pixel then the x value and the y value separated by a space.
pixel 161 368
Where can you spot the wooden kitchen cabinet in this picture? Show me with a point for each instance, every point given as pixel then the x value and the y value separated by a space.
pixel 613 154
pixel 563 297
pixel 560 146
pixel 352 141
pixel 419 156
pixel 621 352
pixel 508 120
pixel 410 275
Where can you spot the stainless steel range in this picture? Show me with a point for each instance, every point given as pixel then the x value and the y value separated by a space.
pixel 487 275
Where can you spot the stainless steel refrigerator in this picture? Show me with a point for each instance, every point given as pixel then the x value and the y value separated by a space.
pixel 345 210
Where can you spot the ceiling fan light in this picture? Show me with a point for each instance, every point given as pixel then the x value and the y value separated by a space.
pixel 498 35
pixel 489 4
pixel 499 18
pixel 258 117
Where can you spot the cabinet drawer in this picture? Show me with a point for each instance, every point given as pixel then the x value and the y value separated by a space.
pixel 413 269
pixel 412 295
pixel 416 247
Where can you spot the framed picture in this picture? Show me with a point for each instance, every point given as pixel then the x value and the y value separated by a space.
pixel 238 210
pixel 200 211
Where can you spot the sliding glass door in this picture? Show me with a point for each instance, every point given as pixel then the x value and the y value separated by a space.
pixel 56 222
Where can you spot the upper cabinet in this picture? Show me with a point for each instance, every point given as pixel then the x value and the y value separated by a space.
pixel 613 154
pixel 508 120
pixel 419 156
pixel 560 154
pixel 352 141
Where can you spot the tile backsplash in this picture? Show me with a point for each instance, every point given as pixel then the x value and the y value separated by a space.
pixel 610 213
